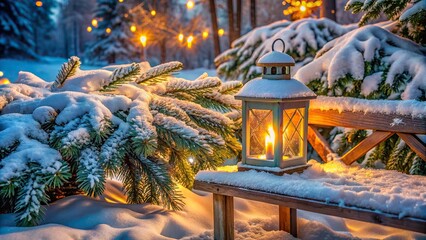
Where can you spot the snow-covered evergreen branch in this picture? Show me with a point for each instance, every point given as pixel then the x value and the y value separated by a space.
pixel 159 73
pixel 68 69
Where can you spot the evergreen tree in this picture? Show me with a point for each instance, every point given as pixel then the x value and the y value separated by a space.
pixel 16 30
pixel 139 125
pixel 113 35
pixel 411 14
pixel 43 24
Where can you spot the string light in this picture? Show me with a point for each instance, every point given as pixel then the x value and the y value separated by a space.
pixel 190 4
pixel 94 22
pixel 89 29
pixel 143 40
pixel 39 3
pixel 300 9
pixel 189 41
pixel 1 74
pixel 108 30
pixel 121 1
pixel 221 32
pixel 180 37
pixel 153 12
pixel 205 34
pixel 133 28
pixel 191 160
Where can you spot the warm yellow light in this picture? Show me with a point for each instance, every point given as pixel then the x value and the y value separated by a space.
pixel 121 0
pixel 133 28
pixel 205 34
pixel 143 40
pixel 189 41
pixel 153 12
pixel 4 81
pixel 89 29
pixel 302 8
pixel 269 143
pixel 1 74
pixel 190 4
pixel 39 3
pixel 191 160
pixel 180 37
pixel 221 32
pixel 94 22
pixel 108 30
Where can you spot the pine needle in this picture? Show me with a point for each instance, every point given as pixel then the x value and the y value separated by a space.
pixel 122 76
pixel 68 69
pixel 159 73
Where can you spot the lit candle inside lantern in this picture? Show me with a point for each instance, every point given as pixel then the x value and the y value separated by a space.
pixel 269 143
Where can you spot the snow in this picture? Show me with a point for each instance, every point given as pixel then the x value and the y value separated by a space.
pixel 335 182
pixel 347 55
pixel 413 108
pixel 109 217
pixel 416 8
pixel 275 57
pixel 275 89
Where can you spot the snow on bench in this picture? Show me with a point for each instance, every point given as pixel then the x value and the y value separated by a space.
pixel 385 197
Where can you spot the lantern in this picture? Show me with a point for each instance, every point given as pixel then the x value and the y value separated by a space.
pixel 275 114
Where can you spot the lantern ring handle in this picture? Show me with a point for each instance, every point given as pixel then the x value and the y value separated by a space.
pixel 275 41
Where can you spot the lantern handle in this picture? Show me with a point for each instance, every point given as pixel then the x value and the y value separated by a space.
pixel 275 41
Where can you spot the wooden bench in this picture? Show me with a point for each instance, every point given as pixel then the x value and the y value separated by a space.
pixel 223 206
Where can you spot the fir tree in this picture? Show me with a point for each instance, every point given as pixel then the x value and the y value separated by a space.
pixel 16 30
pixel 142 130
pixel 410 13
pixel 113 35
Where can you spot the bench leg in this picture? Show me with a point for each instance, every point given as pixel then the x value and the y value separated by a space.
pixel 288 220
pixel 223 208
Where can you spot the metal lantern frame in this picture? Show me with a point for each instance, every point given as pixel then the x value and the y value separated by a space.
pixel 276 70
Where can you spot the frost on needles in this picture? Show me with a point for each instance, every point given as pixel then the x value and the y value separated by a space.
pixel 139 125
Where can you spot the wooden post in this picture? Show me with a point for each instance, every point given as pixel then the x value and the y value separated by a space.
pixel 288 220
pixel 223 208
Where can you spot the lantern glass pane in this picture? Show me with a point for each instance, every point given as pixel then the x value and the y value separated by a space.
pixel 259 121
pixel 293 133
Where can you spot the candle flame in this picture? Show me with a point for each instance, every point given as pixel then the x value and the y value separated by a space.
pixel 270 137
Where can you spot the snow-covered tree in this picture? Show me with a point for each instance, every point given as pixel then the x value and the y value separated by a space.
pixel 16 30
pixel 410 13
pixel 136 123
pixel 113 35
pixel 303 39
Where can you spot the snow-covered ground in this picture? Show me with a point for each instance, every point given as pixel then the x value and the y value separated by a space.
pixel 80 217
pixel 49 67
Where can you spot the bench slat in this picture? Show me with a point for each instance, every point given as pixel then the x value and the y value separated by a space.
pixel 366 215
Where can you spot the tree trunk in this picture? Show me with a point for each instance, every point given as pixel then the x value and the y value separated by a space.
pixel 328 9
pixel 238 20
pixel 215 28
pixel 231 25
pixel 163 51
pixel 253 13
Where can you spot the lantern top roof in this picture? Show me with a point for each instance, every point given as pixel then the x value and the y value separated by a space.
pixel 276 91
pixel 276 58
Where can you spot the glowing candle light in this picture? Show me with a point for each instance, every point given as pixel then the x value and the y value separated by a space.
pixel 269 143
pixel 153 12
pixel 133 28
pixel 302 8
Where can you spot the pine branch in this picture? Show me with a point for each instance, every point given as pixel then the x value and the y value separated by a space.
pixel 195 88
pixel 230 87
pixel 159 73
pixel 68 69
pixel 90 174
pixel 122 76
